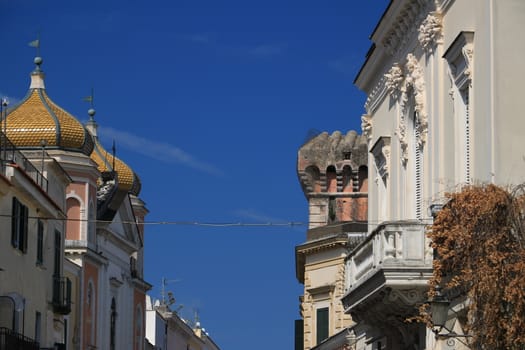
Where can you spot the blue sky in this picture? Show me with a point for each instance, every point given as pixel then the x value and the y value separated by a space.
pixel 208 101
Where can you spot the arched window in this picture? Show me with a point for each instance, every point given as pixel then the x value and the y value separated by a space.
pixel 313 178
pixel 73 214
pixel 363 179
pixel 347 179
pixel 331 179
pixel 7 312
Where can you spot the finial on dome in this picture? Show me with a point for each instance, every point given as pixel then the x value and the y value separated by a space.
pixel 91 124
pixel 38 59
pixel 90 99
pixel 37 76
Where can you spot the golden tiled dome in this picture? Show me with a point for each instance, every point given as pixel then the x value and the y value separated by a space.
pixel 127 180
pixel 37 119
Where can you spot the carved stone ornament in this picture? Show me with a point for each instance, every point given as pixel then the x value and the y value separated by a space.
pixel 366 126
pixel 381 153
pixel 394 79
pixel 468 52
pixel 413 83
pixel 430 31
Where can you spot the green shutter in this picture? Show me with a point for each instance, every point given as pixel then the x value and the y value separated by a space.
pixel 40 243
pixel 14 222
pixel 322 324
pixel 299 335
pixel 24 223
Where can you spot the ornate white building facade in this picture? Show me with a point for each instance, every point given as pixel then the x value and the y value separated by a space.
pixel 444 82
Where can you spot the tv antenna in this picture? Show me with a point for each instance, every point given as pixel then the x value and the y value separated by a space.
pixel 164 294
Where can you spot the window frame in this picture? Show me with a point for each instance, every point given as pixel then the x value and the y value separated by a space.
pixel 40 243
pixel 19 225
pixel 322 329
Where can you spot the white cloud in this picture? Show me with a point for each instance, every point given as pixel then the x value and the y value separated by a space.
pixel 257 216
pixel 157 150
pixel 266 50
pixel 198 38
pixel 348 66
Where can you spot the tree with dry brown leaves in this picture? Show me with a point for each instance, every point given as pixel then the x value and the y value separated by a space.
pixel 479 243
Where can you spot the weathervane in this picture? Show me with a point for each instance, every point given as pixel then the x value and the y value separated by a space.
pixel 36 44
pixel 90 99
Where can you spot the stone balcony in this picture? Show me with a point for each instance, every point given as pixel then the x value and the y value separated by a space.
pixel 387 275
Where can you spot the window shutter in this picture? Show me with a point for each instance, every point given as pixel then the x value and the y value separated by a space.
pixel 14 223
pixel 417 162
pixel 40 243
pixel 299 334
pixel 465 96
pixel 58 252
pixel 24 211
pixel 322 324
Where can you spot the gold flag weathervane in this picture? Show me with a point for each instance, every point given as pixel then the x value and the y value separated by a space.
pixel 90 98
pixel 36 44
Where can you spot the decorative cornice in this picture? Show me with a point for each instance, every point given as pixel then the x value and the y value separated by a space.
pixel 405 25
pixel 375 96
pixel 430 31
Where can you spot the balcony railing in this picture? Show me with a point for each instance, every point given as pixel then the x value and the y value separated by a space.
pixel 401 246
pixel 10 340
pixel 61 295
pixel 10 154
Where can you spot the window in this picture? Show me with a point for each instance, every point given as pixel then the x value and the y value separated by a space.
pixel 459 56
pixel 113 324
pixel 322 324
pixel 40 243
pixel 299 334
pixel 38 323
pixel 58 253
pixel 417 167
pixel 19 222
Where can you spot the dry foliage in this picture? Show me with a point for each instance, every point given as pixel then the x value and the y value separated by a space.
pixel 479 241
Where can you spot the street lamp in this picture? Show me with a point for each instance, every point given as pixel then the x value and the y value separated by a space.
pixel 439 307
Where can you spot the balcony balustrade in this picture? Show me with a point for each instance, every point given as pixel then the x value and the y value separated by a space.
pixel 10 340
pixel 10 154
pixel 392 265
pixel 398 246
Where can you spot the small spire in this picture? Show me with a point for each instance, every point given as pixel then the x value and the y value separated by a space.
pixel 91 124
pixel 38 59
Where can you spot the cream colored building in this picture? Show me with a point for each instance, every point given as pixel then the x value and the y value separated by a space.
pixel 35 295
pixel 332 170
pixel 103 236
pixel 444 83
